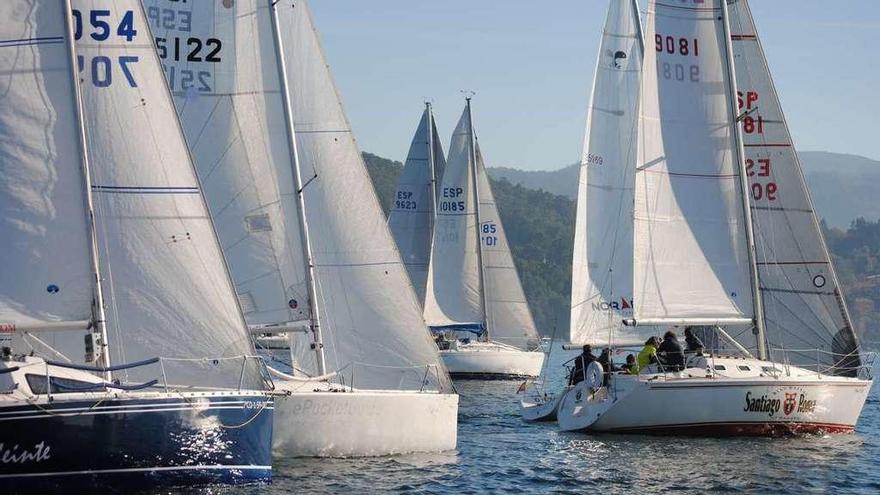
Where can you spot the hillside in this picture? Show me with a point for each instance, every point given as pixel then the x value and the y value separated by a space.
pixel 842 186
pixel 540 229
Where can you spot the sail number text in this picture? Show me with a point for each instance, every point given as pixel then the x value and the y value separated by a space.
pixel 488 229
pixel 758 169
pixel 404 201
pixel 185 48
pixel 95 24
pixel 679 47
pixel 452 199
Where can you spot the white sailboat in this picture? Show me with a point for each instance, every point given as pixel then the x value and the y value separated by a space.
pixel 107 238
pixel 415 201
pixel 724 238
pixel 303 233
pixel 602 286
pixel 473 287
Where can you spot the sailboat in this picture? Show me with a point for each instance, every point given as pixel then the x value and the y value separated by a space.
pixel 308 247
pixel 125 359
pixel 474 301
pixel 724 241
pixel 415 201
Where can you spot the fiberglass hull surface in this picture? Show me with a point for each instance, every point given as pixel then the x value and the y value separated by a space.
pixel 492 362
pixel 363 423
pixel 704 407
pixel 71 446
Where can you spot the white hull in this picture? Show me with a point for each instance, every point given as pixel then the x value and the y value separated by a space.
pixel 689 403
pixel 362 423
pixel 541 408
pixel 491 360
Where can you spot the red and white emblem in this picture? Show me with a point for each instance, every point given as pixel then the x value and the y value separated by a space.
pixel 789 404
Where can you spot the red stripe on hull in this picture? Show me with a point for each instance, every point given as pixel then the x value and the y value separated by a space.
pixel 757 429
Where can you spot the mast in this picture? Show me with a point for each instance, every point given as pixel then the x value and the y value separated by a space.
pixel 472 148
pixel 640 33
pixel 314 316
pixel 100 321
pixel 739 155
pixel 431 164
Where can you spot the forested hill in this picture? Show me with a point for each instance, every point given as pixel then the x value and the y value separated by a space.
pixel 540 229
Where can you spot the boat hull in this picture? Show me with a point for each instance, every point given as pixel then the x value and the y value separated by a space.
pixel 72 446
pixel 492 363
pixel 363 423
pixel 541 408
pixel 704 407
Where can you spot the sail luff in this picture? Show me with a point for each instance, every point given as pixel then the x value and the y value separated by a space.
pixel 99 317
pixel 472 149
pixel 432 164
pixel 739 156
pixel 306 245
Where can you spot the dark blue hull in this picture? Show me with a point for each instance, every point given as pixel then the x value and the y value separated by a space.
pixel 121 445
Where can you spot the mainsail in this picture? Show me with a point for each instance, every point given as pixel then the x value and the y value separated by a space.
pixel 165 280
pixel 454 293
pixel 369 316
pixel 691 255
pixel 46 275
pixel 412 213
pixel 803 303
pixel 602 274
pixel 507 311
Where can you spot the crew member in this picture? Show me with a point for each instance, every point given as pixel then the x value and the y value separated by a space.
pixel 580 365
pixel 670 353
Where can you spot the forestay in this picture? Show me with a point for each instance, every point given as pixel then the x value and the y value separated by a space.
pixel 412 213
pixel 507 311
pixel 165 281
pixel 369 311
pixel 46 273
pixel 229 99
pixel 803 303
pixel 454 293
pixel 691 256
pixel 602 274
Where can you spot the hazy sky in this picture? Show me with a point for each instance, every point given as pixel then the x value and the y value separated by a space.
pixel 531 64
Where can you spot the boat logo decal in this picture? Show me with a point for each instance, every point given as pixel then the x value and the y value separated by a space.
pixel 794 402
pixel 790 403
pixel 7 327
pixel 819 281
pixel 16 455
pixel 52 289
pixel 616 59
pixel 622 305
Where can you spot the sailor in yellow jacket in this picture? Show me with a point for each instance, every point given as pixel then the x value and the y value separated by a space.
pixel 648 354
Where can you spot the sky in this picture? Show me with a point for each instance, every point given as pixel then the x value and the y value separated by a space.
pixel 531 65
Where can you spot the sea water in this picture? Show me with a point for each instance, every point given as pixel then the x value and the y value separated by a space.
pixel 498 452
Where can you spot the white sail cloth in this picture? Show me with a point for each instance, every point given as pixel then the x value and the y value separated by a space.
pixel 803 303
pixel 691 255
pixel 507 311
pixel 235 124
pixel 412 212
pixel 454 292
pixel 165 280
pixel 602 272
pixel 45 268
pixel 369 310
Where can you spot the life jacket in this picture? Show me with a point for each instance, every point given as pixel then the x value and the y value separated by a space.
pixel 644 357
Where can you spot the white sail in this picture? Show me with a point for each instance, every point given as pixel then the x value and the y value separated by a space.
pixel 602 273
pixel 370 316
pixel 691 255
pixel 412 213
pixel 454 293
pixel 232 112
pixel 46 276
pixel 803 303
pixel 507 311
pixel 165 280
